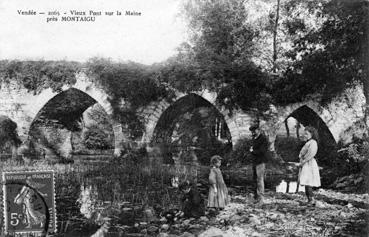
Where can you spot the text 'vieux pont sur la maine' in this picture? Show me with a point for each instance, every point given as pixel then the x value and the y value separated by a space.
pixel 77 16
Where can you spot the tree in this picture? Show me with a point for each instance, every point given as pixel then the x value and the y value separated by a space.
pixel 327 59
pixel 9 135
pixel 218 55
pixel 275 37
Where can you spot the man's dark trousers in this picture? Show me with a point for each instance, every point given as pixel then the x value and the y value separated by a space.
pixel 260 155
pixel 258 175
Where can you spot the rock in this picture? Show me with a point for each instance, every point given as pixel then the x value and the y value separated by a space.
pixel 358 180
pixel 163 235
pixel 268 225
pixel 176 226
pixel 320 204
pixel 255 221
pixel 163 220
pixel 204 218
pixel 187 234
pixel 341 185
pixel 212 231
pixel 152 229
pixel 186 222
pixel 256 234
pixel 126 209
pixel 143 223
pixel 337 227
pixel 349 205
pixel 273 216
pixel 196 226
pixel 235 218
pixel 165 227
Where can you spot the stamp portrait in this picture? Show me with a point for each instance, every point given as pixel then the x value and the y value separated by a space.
pixel 29 202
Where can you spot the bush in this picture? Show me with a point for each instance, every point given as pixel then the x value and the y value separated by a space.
pixel 241 153
pixel 95 138
pixel 8 132
pixel 355 156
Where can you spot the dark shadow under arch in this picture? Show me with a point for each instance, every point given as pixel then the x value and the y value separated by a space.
pixel 327 144
pixel 65 108
pixel 171 118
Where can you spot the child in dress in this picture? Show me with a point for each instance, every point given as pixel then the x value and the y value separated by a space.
pixel 218 193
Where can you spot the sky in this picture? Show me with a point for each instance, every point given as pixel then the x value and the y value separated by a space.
pixel 149 38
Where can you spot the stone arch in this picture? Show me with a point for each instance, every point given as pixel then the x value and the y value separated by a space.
pixel 88 88
pixel 307 116
pixel 162 118
pixel 152 113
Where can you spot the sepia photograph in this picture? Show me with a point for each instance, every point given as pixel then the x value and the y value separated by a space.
pixel 184 118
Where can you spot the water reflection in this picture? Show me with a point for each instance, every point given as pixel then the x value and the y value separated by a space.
pixel 87 200
pixel 289 187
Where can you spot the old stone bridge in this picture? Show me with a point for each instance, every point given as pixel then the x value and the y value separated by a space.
pixel 335 119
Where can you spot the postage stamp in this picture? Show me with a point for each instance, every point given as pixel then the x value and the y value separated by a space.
pixel 29 202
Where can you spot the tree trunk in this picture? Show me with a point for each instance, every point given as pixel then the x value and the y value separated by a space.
pixel 287 128
pixel 275 31
pixel 366 93
pixel 366 79
pixel 298 130
pixel 14 151
pixel 365 62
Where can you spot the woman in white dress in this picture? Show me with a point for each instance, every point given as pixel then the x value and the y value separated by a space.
pixel 309 171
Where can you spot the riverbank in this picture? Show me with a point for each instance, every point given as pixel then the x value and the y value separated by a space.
pixel 283 214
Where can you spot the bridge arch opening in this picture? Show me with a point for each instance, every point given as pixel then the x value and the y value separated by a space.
pixel 289 139
pixel 71 123
pixel 191 129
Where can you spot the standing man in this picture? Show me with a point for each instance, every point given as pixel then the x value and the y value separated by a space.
pixel 259 151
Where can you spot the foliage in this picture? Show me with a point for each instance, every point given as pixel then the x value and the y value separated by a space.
pixel 356 155
pixel 39 75
pixel 96 132
pixel 95 138
pixel 249 89
pixel 327 59
pixel 321 50
pixel 131 82
pixel 218 56
pixel 220 36
pixel 8 132
pixel 241 152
